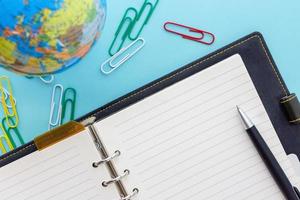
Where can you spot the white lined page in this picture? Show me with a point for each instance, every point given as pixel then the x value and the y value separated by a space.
pixel 187 141
pixel 61 172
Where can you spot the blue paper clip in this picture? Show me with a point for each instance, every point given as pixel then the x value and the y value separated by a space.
pixel 119 59
pixel 56 122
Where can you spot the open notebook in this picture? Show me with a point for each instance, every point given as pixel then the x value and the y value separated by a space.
pixel 184 142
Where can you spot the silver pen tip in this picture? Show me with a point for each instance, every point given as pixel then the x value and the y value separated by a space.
pixel 246 120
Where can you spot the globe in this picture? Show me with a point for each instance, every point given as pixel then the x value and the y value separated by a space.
pixel 39 37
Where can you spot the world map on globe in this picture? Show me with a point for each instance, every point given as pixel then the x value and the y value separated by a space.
pixel 45 36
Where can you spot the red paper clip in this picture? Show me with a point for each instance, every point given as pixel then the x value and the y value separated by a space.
pixel 191 29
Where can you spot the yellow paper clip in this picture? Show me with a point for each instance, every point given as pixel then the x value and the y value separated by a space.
pixel 9 109
pixel 5 142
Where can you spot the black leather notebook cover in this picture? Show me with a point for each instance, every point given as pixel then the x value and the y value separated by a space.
pixel 261 67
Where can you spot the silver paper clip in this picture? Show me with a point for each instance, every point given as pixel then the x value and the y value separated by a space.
pixel 6 96
pixel 118 57
pixel 56 122
pixel 47 79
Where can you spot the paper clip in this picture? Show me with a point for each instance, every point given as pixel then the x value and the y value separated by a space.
pixel 68 100
pixel 5 142
pixel 12 131
pixel 47 79
pixel 200 38
pixel 56 122
pixel 7 94
pixel 126 19
pixel 113 66
pixel 146 4
pixel 11 106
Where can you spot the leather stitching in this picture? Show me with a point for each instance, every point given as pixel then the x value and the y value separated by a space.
pixel 17 152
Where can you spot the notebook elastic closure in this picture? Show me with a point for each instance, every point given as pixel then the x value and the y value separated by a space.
pixel 291 106
pixel 58 134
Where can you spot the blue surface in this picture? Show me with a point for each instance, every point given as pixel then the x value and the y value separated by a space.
pixel 228 20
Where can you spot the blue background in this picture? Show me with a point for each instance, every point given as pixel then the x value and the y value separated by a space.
pixel 228 20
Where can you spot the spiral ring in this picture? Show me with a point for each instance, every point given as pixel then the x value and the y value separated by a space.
pixel 135 191
pixel 106 183
pixel 116 154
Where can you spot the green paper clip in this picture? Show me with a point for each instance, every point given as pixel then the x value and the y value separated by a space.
pixel 5 144
pixel 126 19
pixel 152 7
pixel 68 100
pixel 12 131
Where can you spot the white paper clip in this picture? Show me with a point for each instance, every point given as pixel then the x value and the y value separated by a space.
pixel 6 96
pixel 118 56
pixel 47 79
pixel 56 122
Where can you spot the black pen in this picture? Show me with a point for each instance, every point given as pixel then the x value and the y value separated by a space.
pixel 268 158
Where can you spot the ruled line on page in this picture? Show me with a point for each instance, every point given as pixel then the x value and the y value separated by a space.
pixel 189 148
pixel 250 175
pixel 204 170
pixel 145 131
pixel 185 111
pixel 164 131
pixel 45 180
pixel 231 70
pixel 64 188
pixel 237 172
pixel 190 137
pixel 86 191
pixel 27 179
pixel 198 163
pixel 35 166
pixel 69 187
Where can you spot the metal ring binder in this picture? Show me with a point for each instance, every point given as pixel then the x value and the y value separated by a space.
pixel 135 191
pixel 106 183
pixel 110 158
